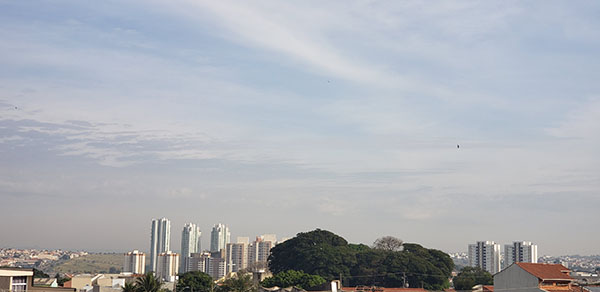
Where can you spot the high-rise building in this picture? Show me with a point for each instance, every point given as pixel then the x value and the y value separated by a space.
pixel 260 249
pixel 236 256
pixel 486 255
pixel 210 263
pixel 168 266
pixel 160 240
pixel 190 243
pixel 135 262
pixel 219 237
pixel 520 251
pixel 198 262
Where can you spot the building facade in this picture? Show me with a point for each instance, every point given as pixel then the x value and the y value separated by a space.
pixel 260 249
pixel 160 240
pixel 168 266
pixel 534 277
pixel 219 237
pixel 236 256
pixel 520 252
pixel 190 243
pixel 21 280
pixel 485 255
pixel 135 262
pixel 210 263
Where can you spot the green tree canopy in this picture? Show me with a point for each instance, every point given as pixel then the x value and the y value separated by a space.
pixel 471 276
pixel 194 282
pixel 323 253
pixel 239 283
pixel 291 278
pixel 39 274
pixel 317 252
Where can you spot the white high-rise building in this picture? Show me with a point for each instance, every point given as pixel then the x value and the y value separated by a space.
pixel 190 243
pixel 160 240
pixel 486 255
pixel 135 262
pixel 168 266
pixel 520 251
pixel 219 237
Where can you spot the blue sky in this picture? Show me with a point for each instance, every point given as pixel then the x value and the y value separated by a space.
pixel 281 117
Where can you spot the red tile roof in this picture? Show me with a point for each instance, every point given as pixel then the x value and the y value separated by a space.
pixel 546 271
pixel 571 289
pixel 488 288
pixel 382 289
pixel 404 290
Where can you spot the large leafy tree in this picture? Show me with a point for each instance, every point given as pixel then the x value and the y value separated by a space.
pixel 239 283
pixel 291 278
pixel 323 253
pixel 471 276
pixel 317 252
pixel 194 282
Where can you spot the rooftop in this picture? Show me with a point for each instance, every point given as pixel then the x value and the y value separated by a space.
pixel 546 271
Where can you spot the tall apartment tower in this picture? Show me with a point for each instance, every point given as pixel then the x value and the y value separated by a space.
pixel 520 251
pixel 168 266
pixel 190 243
pixel 210 263
pixel 135 262
pixel 219 237
pixel 486 255
pixel 260 249
pixel 160 240
pixel 236 255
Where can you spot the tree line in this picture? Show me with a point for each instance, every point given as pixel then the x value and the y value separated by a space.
pixel 389 263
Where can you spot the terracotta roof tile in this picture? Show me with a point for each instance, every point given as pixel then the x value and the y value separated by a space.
pixel 546 271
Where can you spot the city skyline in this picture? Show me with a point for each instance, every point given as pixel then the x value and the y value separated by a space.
pixel 345 114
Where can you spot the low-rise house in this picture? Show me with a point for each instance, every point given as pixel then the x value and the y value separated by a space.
pixel 21 280
pixel 535 277
pixel 47 282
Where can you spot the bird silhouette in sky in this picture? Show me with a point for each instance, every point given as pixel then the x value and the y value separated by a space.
pixel 457 146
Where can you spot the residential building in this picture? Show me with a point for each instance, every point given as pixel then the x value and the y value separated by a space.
pixel 236 256
pixel 160 240
pixel 212 264
pixel 198 262
pixel 520 251
pixel 21 280
pixel 168 266
pixel 259 250
pixel 47 282
pixel 219 237
pixel 535 277
pixel 190 243
pixel 135 262
pixel 485 255
pixel 216 267
pixel 80 282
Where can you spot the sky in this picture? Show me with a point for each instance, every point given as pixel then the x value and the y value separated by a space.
pixel 286 116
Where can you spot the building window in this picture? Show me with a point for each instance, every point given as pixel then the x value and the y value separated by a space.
pixel 19 284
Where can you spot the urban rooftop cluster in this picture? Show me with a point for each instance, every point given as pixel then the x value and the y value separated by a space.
pixel 222 258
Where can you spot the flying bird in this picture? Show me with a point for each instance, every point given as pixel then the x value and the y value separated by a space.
pixel 457 146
